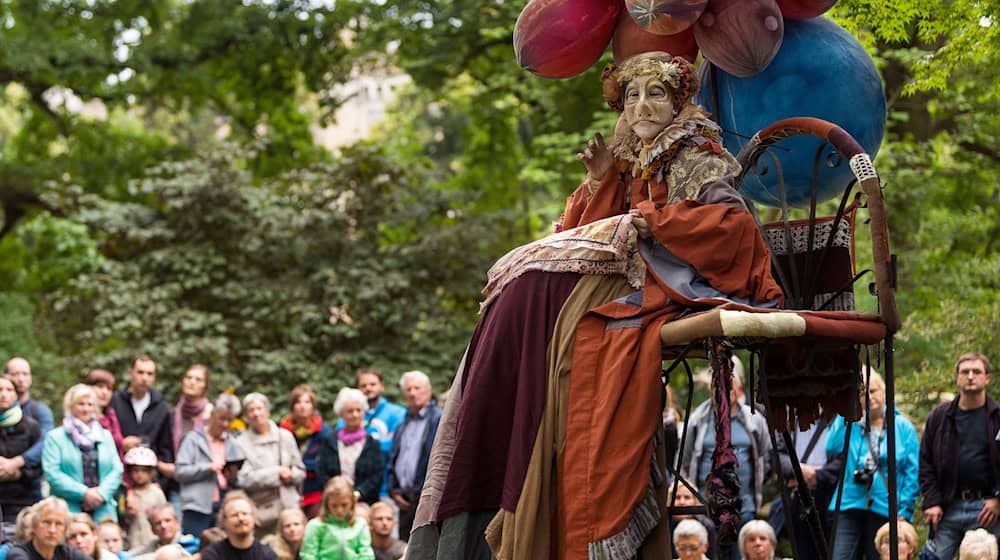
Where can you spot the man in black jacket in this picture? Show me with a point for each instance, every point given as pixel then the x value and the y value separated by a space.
pixel 960 460
pixel 144 415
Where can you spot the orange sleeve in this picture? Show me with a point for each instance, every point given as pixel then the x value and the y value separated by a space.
pixel 721 242
pixel 584 207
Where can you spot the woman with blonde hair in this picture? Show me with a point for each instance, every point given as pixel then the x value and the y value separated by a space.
pixel 337 533
pixel 82 535
pixel 288 540
pixel 908 541
pixel 79 458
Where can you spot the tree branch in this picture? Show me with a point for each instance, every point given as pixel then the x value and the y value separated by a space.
pixel 981 150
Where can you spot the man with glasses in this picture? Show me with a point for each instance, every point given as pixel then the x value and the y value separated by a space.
pixel 960 461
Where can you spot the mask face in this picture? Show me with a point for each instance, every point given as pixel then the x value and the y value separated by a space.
pixel 649 107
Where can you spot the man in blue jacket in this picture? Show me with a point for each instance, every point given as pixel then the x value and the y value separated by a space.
pixel 411 448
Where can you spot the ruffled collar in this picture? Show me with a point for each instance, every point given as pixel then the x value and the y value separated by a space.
pixel 692 126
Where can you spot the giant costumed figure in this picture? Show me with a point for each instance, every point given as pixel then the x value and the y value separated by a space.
pixel 549 446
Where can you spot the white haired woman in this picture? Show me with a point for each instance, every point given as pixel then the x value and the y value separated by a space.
pixel 353 453
pixel 979 544
pixel 757 541
pixel 273 472
pixel 79 458
pixel 690 540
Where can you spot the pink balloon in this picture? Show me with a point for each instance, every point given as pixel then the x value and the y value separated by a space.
pixel 562 38
pixel 804 9
pixel 630 40
pixel 665 17
pixel 740 36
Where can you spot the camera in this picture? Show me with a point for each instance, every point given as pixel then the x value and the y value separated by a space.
pixel 863 476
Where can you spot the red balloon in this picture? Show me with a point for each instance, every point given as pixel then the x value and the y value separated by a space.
pixel 630 40
pixel 804 9
pixel 665 17
pixel 740 36
pixel 562 38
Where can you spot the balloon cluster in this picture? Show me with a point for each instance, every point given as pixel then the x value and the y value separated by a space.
pixel 562 38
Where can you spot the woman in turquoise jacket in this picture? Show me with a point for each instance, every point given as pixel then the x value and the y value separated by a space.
pixel 80 459
pixel 337 534
pixel 865 505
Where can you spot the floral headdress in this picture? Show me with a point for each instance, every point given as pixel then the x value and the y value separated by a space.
pixel 675 72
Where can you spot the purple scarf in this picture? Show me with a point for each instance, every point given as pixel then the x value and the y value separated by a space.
pixel 84 434
pixel 188 409
pixel 350 438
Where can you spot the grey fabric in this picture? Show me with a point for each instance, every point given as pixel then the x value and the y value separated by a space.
pixel 683 278
pixel 194 470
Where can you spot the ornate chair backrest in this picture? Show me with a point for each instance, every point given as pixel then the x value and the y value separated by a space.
pixel 816 269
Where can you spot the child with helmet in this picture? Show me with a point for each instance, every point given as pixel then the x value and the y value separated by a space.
pixel 145 494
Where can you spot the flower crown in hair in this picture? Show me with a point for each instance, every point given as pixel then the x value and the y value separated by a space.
pixel 676 72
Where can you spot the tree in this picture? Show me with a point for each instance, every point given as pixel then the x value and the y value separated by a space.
pixel 149 70
pixel 304 277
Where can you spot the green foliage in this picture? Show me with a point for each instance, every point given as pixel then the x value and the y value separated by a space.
pixel 304 277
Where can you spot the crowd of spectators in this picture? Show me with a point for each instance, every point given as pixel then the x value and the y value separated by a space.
pixel 125 475
pixel 954 468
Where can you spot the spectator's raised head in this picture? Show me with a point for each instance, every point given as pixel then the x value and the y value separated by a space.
pixel 907 539
pixel 49 522
pixel 292 525
pixel 142 376
pixel 140 462
pixel 303 403
pixel 682 498
pixel 236 516
pixel 227 408
pixel 80 402
pixel 973 372
pixel 977 545
pixel 369 382
pixel 382 520
pixel 416 388
pixel 8 394
pixel 82 535
pixel 103 382
pixel 195 382
pixel 258 412
pixel 876 392
pixel 111 535
pixel 757 541
pixel 19 371
pixel 690 540
pixel 163 520
pixel 351 405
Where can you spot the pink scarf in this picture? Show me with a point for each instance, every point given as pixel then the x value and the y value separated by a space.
pixel 188 409
pixel 350 438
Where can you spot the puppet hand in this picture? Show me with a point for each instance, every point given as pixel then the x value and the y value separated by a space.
pixel 640 223
pixel 597 158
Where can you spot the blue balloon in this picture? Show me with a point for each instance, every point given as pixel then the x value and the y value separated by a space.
pixel 821 71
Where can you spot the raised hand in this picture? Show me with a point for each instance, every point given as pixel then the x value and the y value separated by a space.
pixel 597 157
